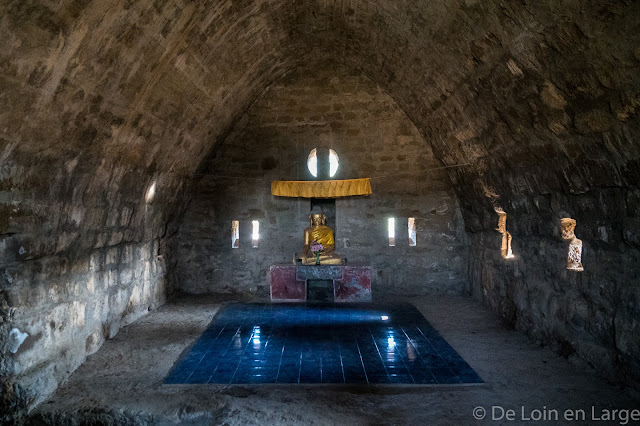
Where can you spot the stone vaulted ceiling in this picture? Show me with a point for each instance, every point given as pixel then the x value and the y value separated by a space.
pixel 535 104
pixel 98 98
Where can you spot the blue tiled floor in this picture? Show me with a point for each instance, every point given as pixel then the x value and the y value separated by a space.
pixel 306 343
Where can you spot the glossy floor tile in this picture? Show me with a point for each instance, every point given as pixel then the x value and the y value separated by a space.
pixel 322 343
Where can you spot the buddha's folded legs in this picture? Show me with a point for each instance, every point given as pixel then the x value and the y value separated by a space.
pixel 324 260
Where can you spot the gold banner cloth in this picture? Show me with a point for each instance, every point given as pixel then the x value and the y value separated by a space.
pixel 321 189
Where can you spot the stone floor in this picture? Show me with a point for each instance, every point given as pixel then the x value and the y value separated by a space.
pixel 123 382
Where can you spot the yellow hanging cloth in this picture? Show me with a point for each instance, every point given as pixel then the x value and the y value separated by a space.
pixel 321 189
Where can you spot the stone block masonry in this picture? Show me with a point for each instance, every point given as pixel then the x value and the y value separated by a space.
pixel 69 308
pixel 97 101
pixel 539 100
pixel 323 105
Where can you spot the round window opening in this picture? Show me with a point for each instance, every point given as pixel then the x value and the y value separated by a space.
pixel 312 162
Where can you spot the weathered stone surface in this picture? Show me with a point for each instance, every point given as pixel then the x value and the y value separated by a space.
pixel 539 101
pixel 97 101
pixel 69 310
pixel 327 272
pixel 383 144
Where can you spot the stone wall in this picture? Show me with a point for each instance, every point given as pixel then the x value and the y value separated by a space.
pixel 97 101
pixel 69 307
pixel 589 317
pixel 323 106
pixel 79 256
pixel 539 99
pixel 556 143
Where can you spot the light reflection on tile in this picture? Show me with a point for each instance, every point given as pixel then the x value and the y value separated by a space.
pixel 321 343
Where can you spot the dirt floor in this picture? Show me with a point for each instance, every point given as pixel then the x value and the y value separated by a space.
pixel 122 382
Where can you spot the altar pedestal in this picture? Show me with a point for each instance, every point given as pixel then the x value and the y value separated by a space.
pixel 351 283
pixel 284 286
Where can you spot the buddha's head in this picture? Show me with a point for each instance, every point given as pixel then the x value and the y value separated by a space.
pixel 317 219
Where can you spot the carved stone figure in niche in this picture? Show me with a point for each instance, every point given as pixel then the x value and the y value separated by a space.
pixel 574 255
pixel 505 250
pixel 320 233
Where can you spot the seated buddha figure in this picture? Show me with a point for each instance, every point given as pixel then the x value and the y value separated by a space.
pixel 320 233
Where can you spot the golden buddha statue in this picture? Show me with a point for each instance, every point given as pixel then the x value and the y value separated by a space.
pixel 322 234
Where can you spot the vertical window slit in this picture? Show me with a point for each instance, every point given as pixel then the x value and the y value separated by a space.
pixel 392 232
pixel 411 226
pixel 255 234
pixel 235 234
pixel 151 192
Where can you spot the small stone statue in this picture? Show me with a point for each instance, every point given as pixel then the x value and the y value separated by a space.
pixel 322 234
pixel 506 235
pixel 574 255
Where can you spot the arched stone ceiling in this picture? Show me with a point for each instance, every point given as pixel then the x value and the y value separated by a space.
pixel 537 96
pixel 101 97
pixel 535 102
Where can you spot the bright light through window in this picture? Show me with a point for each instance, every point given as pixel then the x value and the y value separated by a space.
pixel 312 162
pixel 151 193
pixel 235 234
pixel 333 163
pixel 255 234
pixel 411 225
pixel 392 232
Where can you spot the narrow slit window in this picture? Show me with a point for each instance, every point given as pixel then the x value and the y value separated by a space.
pixel 151 192
pixel 235 234
pixel 255 234
pixel 411 226
pixel 392 232
pixel 574 252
